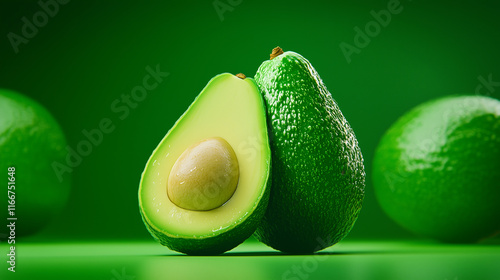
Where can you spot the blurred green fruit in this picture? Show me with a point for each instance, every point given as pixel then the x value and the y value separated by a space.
pixel 30 141
pixel 436 171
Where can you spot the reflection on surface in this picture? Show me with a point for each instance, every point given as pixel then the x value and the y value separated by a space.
pixel 251 260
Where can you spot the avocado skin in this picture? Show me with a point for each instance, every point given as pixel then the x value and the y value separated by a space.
pixel 318 176
pixel 213 245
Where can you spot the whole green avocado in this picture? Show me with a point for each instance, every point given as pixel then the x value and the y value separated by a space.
pixel 318 176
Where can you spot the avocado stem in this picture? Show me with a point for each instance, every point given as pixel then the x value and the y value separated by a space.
pixel 241 75
pixel 276 51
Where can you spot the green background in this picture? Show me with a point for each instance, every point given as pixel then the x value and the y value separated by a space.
pixel 92 52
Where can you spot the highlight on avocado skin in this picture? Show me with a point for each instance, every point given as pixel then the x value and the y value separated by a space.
pixel 318 175
pixel 31 140
pixel 436 169
pixel 205 187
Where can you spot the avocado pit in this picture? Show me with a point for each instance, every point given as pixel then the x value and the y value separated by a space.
pixel 205 175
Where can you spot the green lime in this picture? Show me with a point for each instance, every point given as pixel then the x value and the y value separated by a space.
pixel 436 171
pixel 30 142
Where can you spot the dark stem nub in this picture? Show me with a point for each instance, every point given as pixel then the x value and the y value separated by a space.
pixel 276 51
pixel 241 75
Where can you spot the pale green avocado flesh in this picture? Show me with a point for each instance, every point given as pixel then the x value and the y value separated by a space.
pixel 230 108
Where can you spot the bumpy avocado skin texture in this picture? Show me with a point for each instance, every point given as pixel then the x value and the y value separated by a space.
pixel 436 170
pixel 318 176
pixel 215 243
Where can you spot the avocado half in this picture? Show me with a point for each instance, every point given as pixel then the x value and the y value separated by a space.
pixel 230 108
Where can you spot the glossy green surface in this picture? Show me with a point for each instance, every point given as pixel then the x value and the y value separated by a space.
pixel 231 108
pixel 384 260
pixel 318 175
pixel 31 141
pixel 86 62
pixel 436 170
